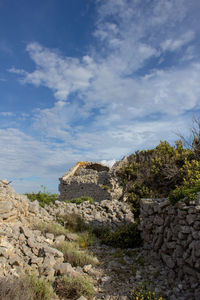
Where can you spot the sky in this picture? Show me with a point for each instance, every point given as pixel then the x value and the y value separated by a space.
pixel 92 80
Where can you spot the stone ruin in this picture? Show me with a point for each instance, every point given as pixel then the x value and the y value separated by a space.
pixel 90 179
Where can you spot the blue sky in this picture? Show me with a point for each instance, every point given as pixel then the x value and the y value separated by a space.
pixel 92 80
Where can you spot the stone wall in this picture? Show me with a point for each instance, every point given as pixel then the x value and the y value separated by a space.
pixel 172 233
pixel 89 179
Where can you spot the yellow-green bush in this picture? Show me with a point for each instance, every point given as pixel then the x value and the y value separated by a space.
pixel 188 192
pixel 156 172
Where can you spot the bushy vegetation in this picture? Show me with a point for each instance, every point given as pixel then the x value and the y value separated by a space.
pixel 26 287
pixel 73 222
pixel 43 197
pixel 80 200
pixel 155 173
pixel 188 192
pixel 125 236
pixel 69 287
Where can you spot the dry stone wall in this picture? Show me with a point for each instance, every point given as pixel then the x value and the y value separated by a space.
pixel 173 234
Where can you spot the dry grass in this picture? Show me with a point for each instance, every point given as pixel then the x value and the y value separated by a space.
pixel 74 255
pixel 70 287
pixel 54 228
pixel 27 287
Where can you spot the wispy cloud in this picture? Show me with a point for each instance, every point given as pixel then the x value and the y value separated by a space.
pixel 64 75
pixel 175 44
pixel 7 114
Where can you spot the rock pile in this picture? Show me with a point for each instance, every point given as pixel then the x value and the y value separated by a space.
pixel 89 179
pixel 22 247
pixel 15 207
pixel 106 212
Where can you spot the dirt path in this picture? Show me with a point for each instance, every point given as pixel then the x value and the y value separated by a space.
pixel 120 271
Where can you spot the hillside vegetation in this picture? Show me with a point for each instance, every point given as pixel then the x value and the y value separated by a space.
pixel 165 171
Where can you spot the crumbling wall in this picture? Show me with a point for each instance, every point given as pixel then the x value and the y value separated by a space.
pixel 172 233
pixel 89 179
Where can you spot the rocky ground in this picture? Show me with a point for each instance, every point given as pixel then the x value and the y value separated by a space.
pixel 119 271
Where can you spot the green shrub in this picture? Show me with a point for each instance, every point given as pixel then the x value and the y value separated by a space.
pixel 73 222
pixel 81 200
pixel 43 197
pixel 186 192
pixel 74 255
pixel 26 287
pixel 69 287
pixel 125 236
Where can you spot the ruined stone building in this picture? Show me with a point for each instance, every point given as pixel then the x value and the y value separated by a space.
pixel 89 179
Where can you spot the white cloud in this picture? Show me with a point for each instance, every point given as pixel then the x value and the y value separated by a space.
pixel 108 163
pixel 62 75
pixel 175 44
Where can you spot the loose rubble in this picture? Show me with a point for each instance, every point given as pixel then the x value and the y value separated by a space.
pixel 106 212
